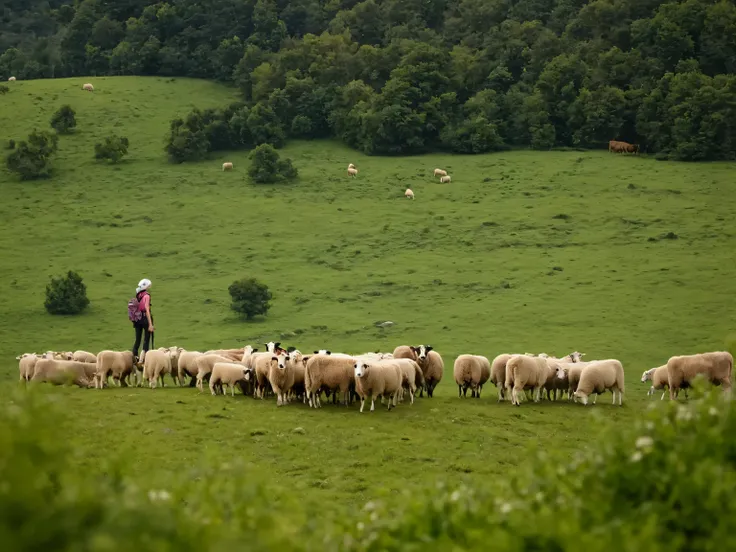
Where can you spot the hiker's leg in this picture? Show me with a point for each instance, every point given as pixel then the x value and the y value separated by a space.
pixel 137 344
pixel 146 340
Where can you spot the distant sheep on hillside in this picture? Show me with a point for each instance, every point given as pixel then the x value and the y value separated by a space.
pixel 88 87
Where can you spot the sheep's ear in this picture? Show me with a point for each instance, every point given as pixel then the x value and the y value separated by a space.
pixel 305 359
pixel 328 352
pixel 17 358
pixel 291 349
pixel 274 358
pixel 256 349
pixel 316 352
pixel 277 344
pixel 428 347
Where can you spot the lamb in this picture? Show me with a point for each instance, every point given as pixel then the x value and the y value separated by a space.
pixel 278 377
pixel 227 373
pixel 60 372
pixel 118 364
pixel 187 366
pixel 408 194
pixel 446 179
pixel 156 364
pixel 659 378
pixel 600 376
pixel 227 166
pixel 526 372
pixel 11 79
pixel 377 379
pixel 353 172
pixel 471 371
pixel 440 172
pixel 715 366
pixel 332 373
pixel 88 87
pixel 84 356
pixel 205 363
pixel 26 365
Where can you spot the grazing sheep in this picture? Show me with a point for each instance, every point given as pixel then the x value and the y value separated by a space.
pixel 432 367
pixel 409 371
pixel 61 372
pixel 298 369
pixel 498 374
pixel 440 172
pixel 84 356
pixel 351 166
pixel 446 179
pixel 205 363
pixel 54 355
pixel 11 79
pixel 471 371
pixel 187 366
pixel 226 373
pixel 377 379
pixel 329 372
pixel 227 166
pixel 175 354
pixel 408 194
pixel 88 87
pixel 570 372
pixel 26 364
pixel 119 364
pixel 353 172
pixel 278 377
pixel 600 376
pixel 525 372
pixel 659 378
pixel 156 364
pixel 715 366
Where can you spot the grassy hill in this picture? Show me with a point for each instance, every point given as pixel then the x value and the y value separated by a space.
pixel 615 256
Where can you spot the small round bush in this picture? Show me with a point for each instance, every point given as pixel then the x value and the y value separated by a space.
pixel 66 295
pixel 250 297
pixel 266 166
pixel 64 120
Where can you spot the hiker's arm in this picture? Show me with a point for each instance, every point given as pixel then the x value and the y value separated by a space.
pixel 148 314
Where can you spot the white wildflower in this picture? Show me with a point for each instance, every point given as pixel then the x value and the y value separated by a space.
pixel 158 496
pixel 360 526
pixel 505 508
pixel 644 442
pixel 712 411
pixel 684 414
pixel 455 496
pixel 636 456
pixel 370 505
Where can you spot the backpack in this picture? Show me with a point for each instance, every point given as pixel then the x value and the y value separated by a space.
pixel 134 312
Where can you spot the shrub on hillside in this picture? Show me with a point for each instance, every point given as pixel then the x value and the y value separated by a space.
pixel 112 149
pixel 266 166
pixel 10 145
pixel 64 120
pixel 32 158
pixel 66 295
pixel 186 144
pixel 4 89
pixel 250 297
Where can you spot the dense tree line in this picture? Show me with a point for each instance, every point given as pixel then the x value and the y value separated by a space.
pixel 404 76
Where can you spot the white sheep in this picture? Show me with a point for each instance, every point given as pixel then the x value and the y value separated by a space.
pixel 353 172
pixel 84 356
pixel 351 166
pixel 570 372
pixel 440 172
pixel 446 179
pixel 600 376
pixel 119 364
pixel 26 364
pixel 498 374
pixel 60 372
pixel 659 378
pixel 187 366
pixel 227 373
pixel 333 373
pixel 156 364
pixel 11 79
pixel 409 378
pixel 227 166
pixel 278 377
pixel 525 372
pixel 377 379
pixel 471 371
pixel 682 370
pixel 205 363
pixel 408 194
pixel 88 87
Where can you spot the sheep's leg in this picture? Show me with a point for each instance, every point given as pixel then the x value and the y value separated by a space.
pixel 672 394
pixel 595 397
pixel 232 390
pixel 620 397
pixel 373 403
pixel 411 395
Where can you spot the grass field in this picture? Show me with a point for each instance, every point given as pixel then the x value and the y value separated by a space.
pixel 615 256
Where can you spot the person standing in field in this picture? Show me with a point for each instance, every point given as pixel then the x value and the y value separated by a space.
pixel 139 312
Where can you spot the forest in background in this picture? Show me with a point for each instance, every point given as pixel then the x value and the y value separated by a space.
pixel 407 76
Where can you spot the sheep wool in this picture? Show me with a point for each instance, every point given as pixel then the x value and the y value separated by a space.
pixel 600 376
pixel 716 367
pixel 471 371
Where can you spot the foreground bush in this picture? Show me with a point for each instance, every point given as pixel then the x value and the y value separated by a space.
pixel 666 483
pixel 32 158
pixel 66 295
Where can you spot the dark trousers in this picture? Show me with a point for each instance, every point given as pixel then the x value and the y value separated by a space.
pixel 141 330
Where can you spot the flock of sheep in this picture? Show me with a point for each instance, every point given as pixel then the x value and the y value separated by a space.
pixel 290 375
